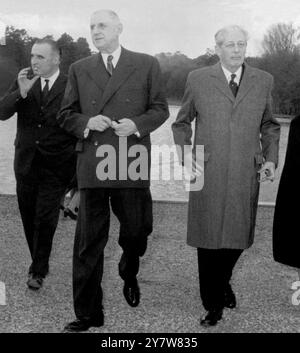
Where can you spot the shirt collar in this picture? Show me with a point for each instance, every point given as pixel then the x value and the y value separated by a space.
pixel 228 74
pixel 51 79
pixel 116 56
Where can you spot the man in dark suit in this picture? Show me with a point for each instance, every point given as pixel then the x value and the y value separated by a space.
pixel 231 105
pixel 113 101
pixel 45 159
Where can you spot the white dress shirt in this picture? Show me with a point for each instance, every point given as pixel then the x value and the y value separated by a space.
pixel 51 79
pixel 228 74
pixel 116 56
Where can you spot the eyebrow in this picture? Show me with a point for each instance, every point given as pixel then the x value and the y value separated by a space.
pixel 239 41
pixel 92 25
pixel 38 55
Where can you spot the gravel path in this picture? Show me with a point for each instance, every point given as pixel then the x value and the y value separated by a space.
pixel 168 280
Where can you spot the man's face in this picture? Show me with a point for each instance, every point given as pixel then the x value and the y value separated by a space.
pixel 105 32
pixel 232 51
pixel 44 60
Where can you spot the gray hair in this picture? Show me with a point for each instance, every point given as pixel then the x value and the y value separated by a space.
pixel 220 35
pixel 112 14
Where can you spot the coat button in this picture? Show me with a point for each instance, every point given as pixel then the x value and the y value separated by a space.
pixel 93 102
pixel 37 142
pixel 39 125
pixel 96 143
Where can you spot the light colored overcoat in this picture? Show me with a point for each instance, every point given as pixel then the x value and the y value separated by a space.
pixel 238 134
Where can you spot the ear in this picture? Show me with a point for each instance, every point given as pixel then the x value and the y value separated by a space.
pixel 120 28
pixel 217 50
pixel 56 60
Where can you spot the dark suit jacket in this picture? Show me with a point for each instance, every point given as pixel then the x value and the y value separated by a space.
pixel 134 91
pixel 38 129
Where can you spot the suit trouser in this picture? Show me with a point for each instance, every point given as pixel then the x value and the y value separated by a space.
pixel 133 208
pixel 215 271
pixel 39 194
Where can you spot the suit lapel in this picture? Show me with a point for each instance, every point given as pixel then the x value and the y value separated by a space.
pixel 121 73
pixel 97 71
pixel 247 82
pixel 57 88
pixel 36 91
pixel 220 81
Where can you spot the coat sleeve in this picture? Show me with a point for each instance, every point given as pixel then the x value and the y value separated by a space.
pixel 270 131
pixel 9 102
pixel 182 128
pixel 70 117
pixel 157 111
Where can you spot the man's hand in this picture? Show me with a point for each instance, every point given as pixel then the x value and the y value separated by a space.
pixel 267 172
pixel 25 83
pixel 99 123
pixel 125 127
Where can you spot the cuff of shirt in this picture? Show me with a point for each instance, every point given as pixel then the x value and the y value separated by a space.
pixel 86 132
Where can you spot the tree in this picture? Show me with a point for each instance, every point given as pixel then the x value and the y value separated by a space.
pixel 82 48
pixel 18 44
pixel 72 51
pixel 14 55
pixel 280 38
pixel 66 43
pixel 282 59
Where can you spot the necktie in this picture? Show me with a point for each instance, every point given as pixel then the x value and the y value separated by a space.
pixel 45 92
pixel 110 67
pixel 233 85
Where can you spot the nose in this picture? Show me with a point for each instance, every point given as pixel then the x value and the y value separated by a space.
pixel 96 30
pixel 33 60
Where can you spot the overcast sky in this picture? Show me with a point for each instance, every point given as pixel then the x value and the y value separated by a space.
pixel 154 26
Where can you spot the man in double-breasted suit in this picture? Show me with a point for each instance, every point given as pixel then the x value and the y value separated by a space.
pixel 45 157
pixel 113 100
pixel 231 103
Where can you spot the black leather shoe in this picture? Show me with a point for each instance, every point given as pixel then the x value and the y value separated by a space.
pixel 131 292
pixel 212 318
pixel 229 298
pixel 35 282
pixel 84 324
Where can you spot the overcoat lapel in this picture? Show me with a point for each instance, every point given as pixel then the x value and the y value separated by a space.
pixel 97 72
pixel 121 73
pixel 220 81
pixel 247 82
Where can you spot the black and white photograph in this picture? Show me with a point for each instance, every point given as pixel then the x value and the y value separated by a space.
pixel 149 169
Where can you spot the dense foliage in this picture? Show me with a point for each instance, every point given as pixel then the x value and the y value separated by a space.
pixel 281 57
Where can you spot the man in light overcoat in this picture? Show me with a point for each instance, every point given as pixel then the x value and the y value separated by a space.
pixel 231 103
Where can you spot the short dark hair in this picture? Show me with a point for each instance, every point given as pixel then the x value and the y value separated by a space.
pixel 46 40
